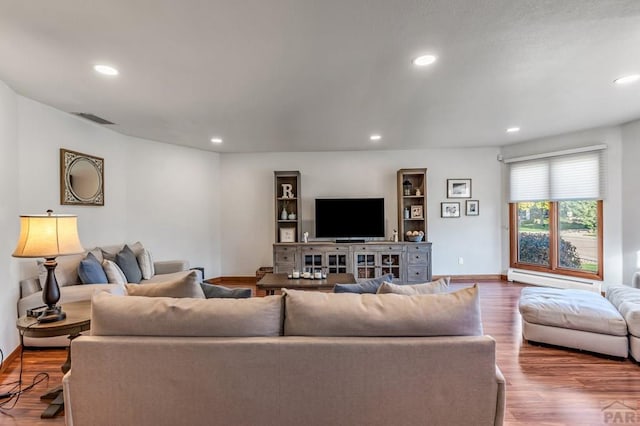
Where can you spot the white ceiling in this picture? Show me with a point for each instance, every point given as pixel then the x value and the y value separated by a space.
pixel 317 75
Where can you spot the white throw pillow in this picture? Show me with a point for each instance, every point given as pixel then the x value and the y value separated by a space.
pixel 145 261
pixel 114 273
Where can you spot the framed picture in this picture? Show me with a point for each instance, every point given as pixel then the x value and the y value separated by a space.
pixel 473 208
pixel 287 234
pixel 449 210
pixel 458 188
pixel 416 212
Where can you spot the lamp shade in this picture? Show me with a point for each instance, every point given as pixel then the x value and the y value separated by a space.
pixel 48 236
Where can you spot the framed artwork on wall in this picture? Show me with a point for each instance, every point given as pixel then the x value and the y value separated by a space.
pixel 472 208
pixel 449 210
pixel 458 188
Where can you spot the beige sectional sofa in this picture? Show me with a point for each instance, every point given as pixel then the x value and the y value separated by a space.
pixel 304 358
pixel 584 320
pixel 627 301
pixel 73 290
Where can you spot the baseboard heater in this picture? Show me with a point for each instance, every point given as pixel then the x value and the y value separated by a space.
pixel 550 280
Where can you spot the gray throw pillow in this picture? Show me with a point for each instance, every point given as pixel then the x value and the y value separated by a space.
pixel 212 291
pixel 127 261
pixel 370 286
pixel 90 271
pixel 439 286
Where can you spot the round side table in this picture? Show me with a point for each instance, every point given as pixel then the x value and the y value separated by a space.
pixel 78 320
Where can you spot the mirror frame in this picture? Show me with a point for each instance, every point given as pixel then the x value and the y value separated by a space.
pixel 67 196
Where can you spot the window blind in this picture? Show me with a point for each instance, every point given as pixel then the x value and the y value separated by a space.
pixel 579 176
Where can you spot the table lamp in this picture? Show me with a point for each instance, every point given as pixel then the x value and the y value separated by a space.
pixel 49 236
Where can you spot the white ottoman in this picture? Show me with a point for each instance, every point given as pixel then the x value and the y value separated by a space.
pixel 577 319
pixel 627 302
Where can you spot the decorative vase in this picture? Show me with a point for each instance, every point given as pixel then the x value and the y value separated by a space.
pixel 284 213
pixel 292 216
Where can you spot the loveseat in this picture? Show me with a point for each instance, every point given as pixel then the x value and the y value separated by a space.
pixel 72 289
pixel 301 358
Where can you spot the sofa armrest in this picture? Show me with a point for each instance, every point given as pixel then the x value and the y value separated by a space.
pixel 29 286
pixel 170 266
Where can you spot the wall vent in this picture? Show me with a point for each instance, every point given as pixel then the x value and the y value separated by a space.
pixel 92 117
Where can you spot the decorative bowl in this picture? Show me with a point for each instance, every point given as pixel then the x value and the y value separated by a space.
pixel 415 238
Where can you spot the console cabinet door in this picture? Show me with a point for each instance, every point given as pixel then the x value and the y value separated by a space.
pixel 337 260
pixel 366 265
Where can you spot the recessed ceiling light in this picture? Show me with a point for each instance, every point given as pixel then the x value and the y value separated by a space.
pixel 105 69
pixel 627 79
pixel 424 60
pixel 216 140
pixel 513 129
pixel 375 137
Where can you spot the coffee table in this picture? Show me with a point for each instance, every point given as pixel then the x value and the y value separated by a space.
pixel 272 282
pixel 78 320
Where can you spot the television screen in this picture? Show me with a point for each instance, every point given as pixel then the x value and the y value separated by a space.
pixel 349 217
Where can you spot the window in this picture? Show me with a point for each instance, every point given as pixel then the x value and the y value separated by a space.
pixel 556 213
pixel 563 237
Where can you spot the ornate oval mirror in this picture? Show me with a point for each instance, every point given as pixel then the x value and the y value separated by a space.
pixel 81 179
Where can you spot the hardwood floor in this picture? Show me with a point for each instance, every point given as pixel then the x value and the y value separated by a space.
pixel 545 385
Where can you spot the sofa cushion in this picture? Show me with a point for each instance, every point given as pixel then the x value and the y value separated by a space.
pixel 627 302
pixel 162 278
pixel 145 261
pixel 114 273
pixel 136 248
pixel 329 314
pixel 572 309
pixel 439 286
pixel 66 272
pixel 186 286
pixel 370 286
pixel 218 291
pixel 127 261
pixel 164 316
pixel 90 271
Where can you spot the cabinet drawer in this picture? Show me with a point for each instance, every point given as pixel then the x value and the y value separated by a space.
pixel 417 274
pixel 285 256
pixel 417 258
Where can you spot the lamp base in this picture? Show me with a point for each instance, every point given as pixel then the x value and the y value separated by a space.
pixel 52 314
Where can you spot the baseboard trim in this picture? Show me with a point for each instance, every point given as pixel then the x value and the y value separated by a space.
pixel 9 359
pixel 483 277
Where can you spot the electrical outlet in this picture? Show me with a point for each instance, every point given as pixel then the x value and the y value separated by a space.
pixel 460 261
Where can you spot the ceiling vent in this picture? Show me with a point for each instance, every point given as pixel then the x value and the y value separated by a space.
pixel 92 117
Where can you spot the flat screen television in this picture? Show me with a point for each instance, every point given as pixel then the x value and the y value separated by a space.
pixel 349 217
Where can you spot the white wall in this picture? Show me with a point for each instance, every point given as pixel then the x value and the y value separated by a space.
pixel 630 197
pixel 612 206
pixel 173 202
pixel 163 195
pixel 8 218
pixel 247 206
